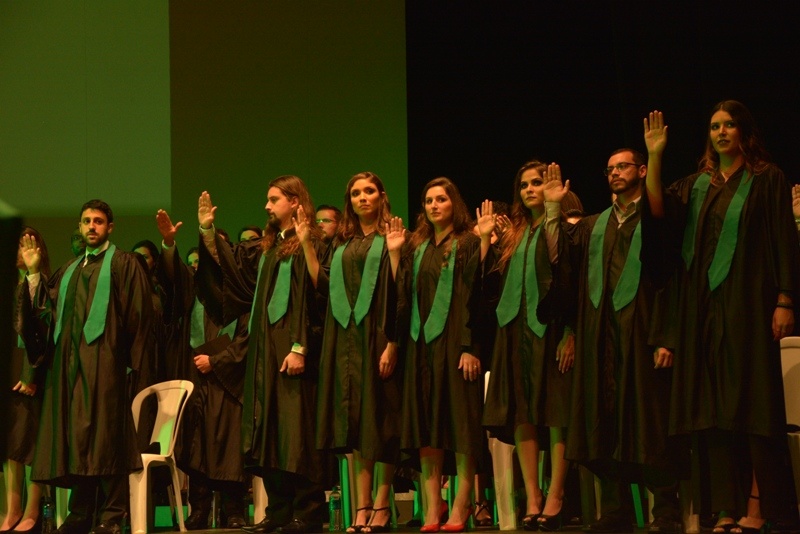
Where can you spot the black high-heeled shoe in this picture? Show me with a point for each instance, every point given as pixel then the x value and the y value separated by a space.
pixel 12 527
pixel 481 507
pixel 35 529
pixel 376 528
pixel 551 523
pixel 531 522
pixel 355 529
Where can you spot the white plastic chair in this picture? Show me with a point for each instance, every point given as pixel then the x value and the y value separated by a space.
pixel 790 362
pixel 172 397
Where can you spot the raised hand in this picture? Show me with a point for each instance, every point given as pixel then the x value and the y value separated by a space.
pixel 796 201
pixel 554 190
pixel 205 211
pixel 395 234
pixel 487 220
pixel 655 133
pixel 302 225
pixel 31 253
pixel 166 228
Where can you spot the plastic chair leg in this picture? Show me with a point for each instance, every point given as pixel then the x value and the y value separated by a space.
pixel 138 493
pixel 176 487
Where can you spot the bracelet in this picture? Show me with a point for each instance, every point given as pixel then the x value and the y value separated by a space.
pixel 785 305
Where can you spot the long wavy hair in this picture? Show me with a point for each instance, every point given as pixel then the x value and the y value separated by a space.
pixel 462 224
pixel 756 157
pixel 521 217
pixel 350 222
pixel 292 188
pixel 44 264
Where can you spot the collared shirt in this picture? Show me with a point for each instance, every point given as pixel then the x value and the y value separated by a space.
pixel 629 211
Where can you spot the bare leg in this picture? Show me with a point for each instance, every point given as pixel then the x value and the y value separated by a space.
pixel 431 460
pixel 363 469
pixel 528 453
pixel 555 497
pixel 14 478
pixel 465 467
pixel 382 514
pixel 753 518
pixel 32 506
pixel 483 516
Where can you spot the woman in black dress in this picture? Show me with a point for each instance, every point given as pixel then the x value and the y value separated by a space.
pixel 23 417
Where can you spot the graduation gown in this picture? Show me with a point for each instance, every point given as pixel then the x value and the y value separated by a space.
pixel 86 424
pixel 525 385
pixel 278 410
pixel 23 415
pixel 440 408
pixel 619 406
pixel 210 436
pixel 357 408
pixel 727 370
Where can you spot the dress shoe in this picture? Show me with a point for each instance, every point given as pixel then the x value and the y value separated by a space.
pixel 610 524
pixel 235 521
pixel 377 528
pixel 551 523
pixel 74 527
pixel 12 527
pixel 264 526
pixel 482 516
pixel 298 526
pixel 665 525
pixel 454 527
pixel 106 528
pixel 430 528
pixel 197 520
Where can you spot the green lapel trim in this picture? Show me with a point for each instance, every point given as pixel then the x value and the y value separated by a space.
pixel 258 292
pixel 440 309
pixel 340 304
pixel 595 268
pixel 628 283
pixel 279 302
pixel 532 287
pixel 511 298
pixel 726 244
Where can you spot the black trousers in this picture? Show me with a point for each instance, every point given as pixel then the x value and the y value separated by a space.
pixel 95 500
pixel 292 496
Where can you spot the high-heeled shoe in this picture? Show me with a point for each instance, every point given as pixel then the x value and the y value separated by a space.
pixel 551 523
pixel 375 528
pixel 531 522
pixel 355 529
pixel 457 527
pixel 12 527
pixel 430 528
pixel 481 507
pixel 35 529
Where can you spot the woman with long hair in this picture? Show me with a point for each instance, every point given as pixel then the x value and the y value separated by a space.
pixel 443 390
pixel 530 381
pixel 359 389
pixel 25 405
pixel 738 291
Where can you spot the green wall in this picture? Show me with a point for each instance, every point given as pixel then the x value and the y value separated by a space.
pixel 146 104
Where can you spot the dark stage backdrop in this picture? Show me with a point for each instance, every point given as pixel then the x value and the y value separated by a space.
pixel 491 85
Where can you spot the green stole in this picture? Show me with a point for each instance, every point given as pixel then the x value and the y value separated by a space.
pixel 440 308
pixel 511 298
pixel 340 304
pixel 197 328
pixel 96 321
pixel 279 302
pixel 726 244
pixel 628 283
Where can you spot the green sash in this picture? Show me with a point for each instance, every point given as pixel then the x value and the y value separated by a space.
pixel 726 244
pixel 197 328
pixel 96 321
pixel 340 304
pixel 279 302
pixel 511 298
pixel 256 294
pixel 440 308
pixel 628 283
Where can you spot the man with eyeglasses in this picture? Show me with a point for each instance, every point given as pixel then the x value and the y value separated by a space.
pixel 619 418
pixel 328 220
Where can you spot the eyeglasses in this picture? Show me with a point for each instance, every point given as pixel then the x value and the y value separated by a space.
pixel 619 166
pixel 326 221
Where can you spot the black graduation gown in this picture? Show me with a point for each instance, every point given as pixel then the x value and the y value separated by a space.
pixel 525 385
pixel 278 411
pixel 23 415
pixel 210 436
pixel 727 370
pixel 357 408
pixel 86 424
pixel 440 408
pixel 619 403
